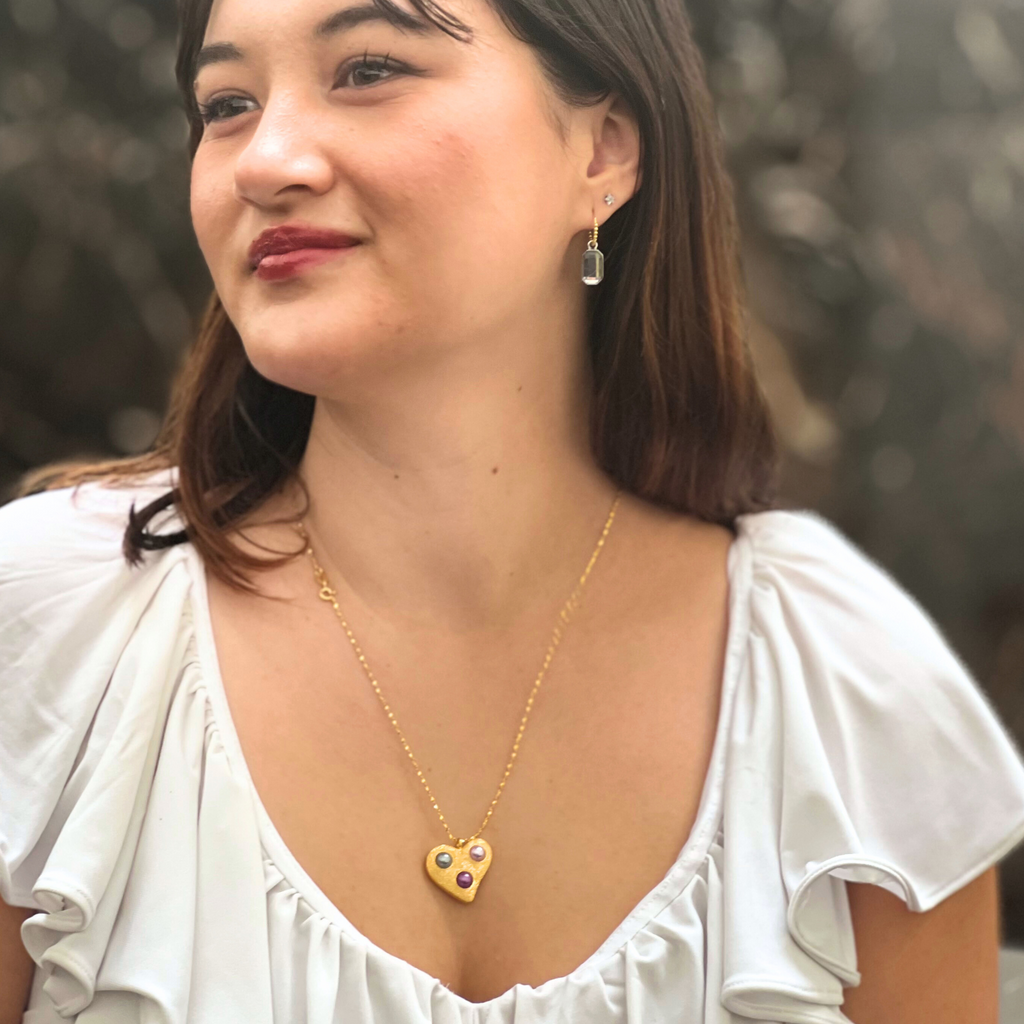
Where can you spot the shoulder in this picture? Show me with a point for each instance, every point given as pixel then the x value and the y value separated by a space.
pixel 804 547
pixel 64 577
pixel 65 582
pixel 813 582
pixel 65 532
pixel 95 511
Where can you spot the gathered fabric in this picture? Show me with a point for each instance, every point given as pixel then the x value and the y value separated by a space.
pixel 852 746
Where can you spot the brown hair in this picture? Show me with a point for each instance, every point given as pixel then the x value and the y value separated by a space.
pixel 678 415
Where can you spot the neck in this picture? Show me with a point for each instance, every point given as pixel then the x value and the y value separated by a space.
pixel 459 497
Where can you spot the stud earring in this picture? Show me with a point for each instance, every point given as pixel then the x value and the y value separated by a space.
pixel 609 199
pixel 593 260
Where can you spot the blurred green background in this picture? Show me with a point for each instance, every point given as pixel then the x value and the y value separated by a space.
pixel 878 152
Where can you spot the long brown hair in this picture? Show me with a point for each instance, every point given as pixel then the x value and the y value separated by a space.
pixel 678 415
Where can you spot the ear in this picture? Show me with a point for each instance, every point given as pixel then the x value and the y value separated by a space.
pixel 614 167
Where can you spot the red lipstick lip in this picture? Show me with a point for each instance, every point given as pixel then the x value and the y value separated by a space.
pixel 289 237
pixel 285 265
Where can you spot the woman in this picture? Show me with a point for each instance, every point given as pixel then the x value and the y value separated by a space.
pixel 265 749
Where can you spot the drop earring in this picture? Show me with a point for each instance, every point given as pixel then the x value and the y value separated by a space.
pixel 593 258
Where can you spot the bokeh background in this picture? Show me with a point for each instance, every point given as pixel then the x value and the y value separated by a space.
pixel 878 152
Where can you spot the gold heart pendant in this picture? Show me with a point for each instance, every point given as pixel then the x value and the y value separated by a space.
pixel 459 872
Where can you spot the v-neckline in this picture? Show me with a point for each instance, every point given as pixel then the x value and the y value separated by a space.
pixel 672 885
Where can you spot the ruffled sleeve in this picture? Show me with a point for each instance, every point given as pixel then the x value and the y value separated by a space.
pixel 68 604
pixel 861 750
pixel 94 678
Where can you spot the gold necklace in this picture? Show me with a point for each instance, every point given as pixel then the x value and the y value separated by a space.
pixel 455 869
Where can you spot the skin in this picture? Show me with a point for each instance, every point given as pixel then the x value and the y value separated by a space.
pixel 16 965
pixel 453 489
pixel 939 966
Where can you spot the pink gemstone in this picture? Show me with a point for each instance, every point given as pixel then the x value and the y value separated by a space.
pixel 477 852
pixel 465 879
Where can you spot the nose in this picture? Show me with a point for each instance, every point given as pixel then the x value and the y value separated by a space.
pixel 285 156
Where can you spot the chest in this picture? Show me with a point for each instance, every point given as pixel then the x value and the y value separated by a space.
pixel 600 798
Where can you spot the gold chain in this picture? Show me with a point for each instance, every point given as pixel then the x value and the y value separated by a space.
pixel 328 593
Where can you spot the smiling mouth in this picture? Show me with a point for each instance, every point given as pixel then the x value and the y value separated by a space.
pixel 282 265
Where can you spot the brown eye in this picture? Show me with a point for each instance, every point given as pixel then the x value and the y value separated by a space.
pixel 222 108
pixel 370 69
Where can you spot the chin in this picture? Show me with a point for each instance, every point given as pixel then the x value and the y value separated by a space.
pixel 319 345
pixel 295 363
pixel 318 362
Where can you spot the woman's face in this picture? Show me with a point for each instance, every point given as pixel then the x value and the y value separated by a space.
pixel 445 163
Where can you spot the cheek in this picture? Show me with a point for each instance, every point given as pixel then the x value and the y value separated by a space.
pixel 211 201
pixel 484 203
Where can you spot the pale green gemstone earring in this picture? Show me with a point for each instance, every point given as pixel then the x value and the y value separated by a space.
pixel 593 258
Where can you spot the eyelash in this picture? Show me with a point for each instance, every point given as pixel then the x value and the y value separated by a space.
pixel 208 111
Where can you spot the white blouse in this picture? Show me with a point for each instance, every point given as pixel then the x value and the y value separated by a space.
pixel 852 745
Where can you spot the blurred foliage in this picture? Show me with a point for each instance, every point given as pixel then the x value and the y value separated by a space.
pixel 99 269
pixel 877 148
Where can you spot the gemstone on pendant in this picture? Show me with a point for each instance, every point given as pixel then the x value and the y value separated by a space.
pixel 443 860
pixel 477 852
pixel 464 879
pixel 593 266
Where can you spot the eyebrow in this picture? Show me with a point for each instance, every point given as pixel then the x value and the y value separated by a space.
pixel 340 21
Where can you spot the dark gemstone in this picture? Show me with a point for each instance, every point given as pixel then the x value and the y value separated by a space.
pixel 443 860
pixel 465 879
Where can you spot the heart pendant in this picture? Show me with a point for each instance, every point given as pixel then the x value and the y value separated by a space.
pixel 459 872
